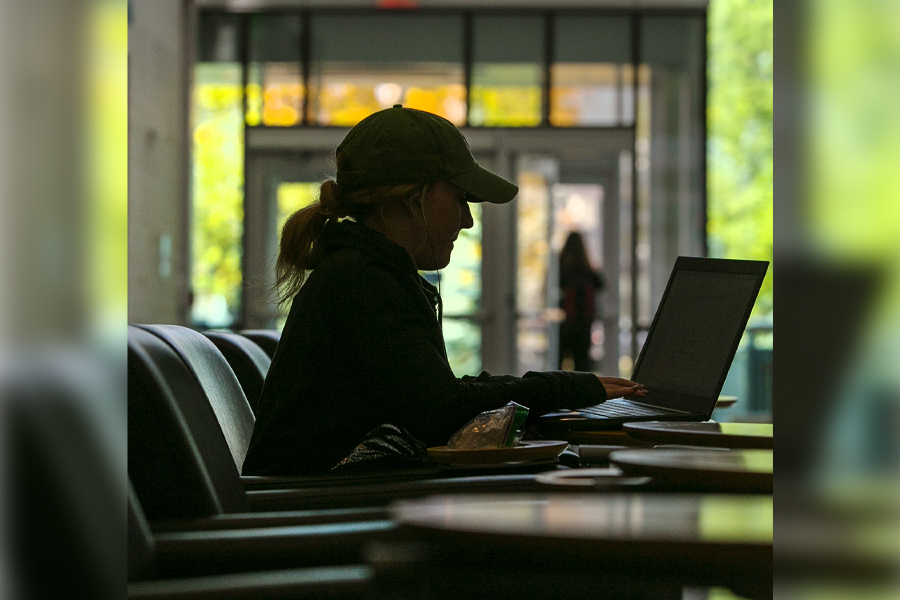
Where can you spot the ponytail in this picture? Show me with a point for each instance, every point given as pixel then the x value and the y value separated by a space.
pixel 297 237
pixel 299 250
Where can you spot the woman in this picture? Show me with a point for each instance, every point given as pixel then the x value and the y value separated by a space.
pixel 579 284
pixel 362 346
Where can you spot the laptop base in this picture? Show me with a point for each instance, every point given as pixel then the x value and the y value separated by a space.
pixel 561 422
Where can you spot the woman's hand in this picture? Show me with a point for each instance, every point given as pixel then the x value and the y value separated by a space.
pixel 616 388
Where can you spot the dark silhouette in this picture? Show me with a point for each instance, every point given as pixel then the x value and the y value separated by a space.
pixel 579 284
pixel 360 378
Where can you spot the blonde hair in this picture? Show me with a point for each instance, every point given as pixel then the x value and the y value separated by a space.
pixel 299 250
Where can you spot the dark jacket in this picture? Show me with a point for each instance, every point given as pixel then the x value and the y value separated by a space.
pixel 362 347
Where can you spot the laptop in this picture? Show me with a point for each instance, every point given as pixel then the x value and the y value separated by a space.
pixel 691 343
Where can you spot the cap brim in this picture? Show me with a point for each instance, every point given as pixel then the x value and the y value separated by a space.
pixel 485 186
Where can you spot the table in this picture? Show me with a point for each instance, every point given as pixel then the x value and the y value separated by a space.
pixel 722 435
pixel 700 469
pixel 605 438
pixel 726 401
pixel 628 545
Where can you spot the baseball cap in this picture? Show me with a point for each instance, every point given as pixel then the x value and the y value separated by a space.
pixel 403 145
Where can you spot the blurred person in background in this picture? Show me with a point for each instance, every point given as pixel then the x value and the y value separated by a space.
pixel 579 285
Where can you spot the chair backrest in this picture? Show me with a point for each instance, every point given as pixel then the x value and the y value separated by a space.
pixel 180 462
pixel 220 384
pixel 248 361
pixel 163 460
pixel 267 339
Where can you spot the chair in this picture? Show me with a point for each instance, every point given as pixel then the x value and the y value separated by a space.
pixel 179 460
pixel 218 384
pixel 267 339
pixel 254 563
pixel 247 359
pixel 189 426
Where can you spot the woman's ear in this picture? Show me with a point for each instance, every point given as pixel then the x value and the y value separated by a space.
pixel 414 205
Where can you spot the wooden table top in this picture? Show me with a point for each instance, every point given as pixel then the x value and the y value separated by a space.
pixel 632 517
pixel 555 546
pixel 639 538
pixel 738 470
pixel 724 435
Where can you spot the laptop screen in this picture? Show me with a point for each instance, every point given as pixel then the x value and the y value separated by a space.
pixel 695 332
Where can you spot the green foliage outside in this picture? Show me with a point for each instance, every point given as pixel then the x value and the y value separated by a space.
pixel 218 194
pixel 291 197
pixel 740 159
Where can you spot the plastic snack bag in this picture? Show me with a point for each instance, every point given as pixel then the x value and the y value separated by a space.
pixel 498 428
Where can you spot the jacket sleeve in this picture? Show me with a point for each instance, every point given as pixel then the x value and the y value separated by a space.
pixel 396 348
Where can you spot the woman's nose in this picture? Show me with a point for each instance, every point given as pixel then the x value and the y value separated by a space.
pixel 467 221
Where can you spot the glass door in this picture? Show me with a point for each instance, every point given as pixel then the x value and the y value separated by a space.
pixel 572 182
pixel 549 211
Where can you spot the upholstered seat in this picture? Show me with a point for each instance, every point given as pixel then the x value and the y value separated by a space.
pixel 179 460
pixel 248 360
pixel 267 339
pixel 218 382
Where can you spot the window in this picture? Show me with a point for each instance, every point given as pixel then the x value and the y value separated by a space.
pixel 507 71
pixel 363 64
pixel 275 89
pixel 591 73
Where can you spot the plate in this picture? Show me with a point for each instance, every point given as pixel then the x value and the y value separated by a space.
pixel 533 450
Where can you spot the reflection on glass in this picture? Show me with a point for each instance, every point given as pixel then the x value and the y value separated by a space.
pixel 274 86
pixel 362 64
pixel 342 94
pixel 507 71
pixel 586 94
pixel 217 193
pixel 274 94
pixel 592 55
pixel 506 95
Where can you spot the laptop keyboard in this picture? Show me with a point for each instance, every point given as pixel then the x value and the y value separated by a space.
pixel 614 409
